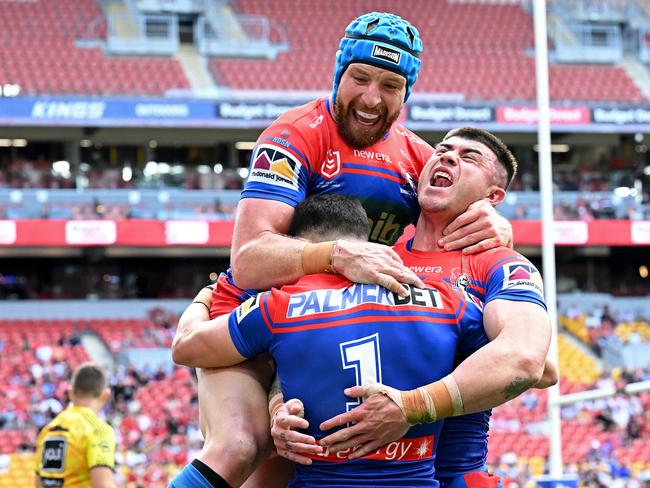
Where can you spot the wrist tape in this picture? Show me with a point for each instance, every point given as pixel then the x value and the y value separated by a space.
pixel 274 405
pixel 427 403
pixel 317 257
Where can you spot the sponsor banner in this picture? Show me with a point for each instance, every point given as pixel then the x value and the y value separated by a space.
pixel 510 114
pixel 571 232
pixel 154 233
pixel 641 232
pixel 99 111
pixel 186 232
pixel 90 232
pixel 450 113
pixel 252 110
pixel 7 232
pixel 621 116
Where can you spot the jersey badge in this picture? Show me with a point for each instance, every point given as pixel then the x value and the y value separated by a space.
pixel 275 166
pixel 247 307
pixel 524 276
pixel 53 459
pixel 332 164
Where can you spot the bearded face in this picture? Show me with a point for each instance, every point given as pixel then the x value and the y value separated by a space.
pixel 368 102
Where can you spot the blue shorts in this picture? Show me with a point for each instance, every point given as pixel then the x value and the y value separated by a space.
pixel 475 479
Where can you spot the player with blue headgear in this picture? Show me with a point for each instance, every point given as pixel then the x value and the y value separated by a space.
pixel 377 64
pixel 382 40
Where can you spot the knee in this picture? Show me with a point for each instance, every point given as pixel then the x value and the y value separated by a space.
pixel 238 452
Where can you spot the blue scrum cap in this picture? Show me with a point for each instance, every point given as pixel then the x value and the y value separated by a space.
pixel 383 40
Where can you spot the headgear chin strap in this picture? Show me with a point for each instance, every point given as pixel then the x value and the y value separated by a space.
pixel 383 40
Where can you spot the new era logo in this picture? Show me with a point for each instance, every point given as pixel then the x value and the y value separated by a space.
pixel 386 53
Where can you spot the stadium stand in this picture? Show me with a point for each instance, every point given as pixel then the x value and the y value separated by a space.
pixel 153 410
pixel 480 50
pixel 39 52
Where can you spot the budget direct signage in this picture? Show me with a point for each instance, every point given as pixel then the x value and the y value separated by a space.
pixel 451 113
pixel 251 110
pixel 510 114
pixel 621 116
pixel 258 113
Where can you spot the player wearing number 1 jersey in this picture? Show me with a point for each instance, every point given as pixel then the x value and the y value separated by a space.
pixel 326 333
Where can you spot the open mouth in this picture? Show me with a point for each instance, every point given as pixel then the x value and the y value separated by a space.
pixel 441 179
pixel 365 118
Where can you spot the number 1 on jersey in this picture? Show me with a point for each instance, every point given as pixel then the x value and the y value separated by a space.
pixel 363 356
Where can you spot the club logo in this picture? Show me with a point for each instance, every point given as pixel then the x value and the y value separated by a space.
pixel 332 164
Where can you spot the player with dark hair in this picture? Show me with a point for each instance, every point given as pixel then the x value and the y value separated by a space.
pixel 325 332
pixel 469 163
pixel 77 448
pixel 349 144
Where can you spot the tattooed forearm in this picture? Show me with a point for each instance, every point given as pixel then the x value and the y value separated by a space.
pixel 516 387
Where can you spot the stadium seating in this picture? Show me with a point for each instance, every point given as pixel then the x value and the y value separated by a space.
pixel 478 50
pixel 43 58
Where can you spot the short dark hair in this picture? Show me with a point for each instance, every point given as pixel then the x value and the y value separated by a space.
pixel 330 216
pixel 496 145
pixel 89 381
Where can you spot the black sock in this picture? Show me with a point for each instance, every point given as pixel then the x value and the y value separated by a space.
pixel 210 475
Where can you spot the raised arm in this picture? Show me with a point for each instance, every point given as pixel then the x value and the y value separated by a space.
pixel 263 257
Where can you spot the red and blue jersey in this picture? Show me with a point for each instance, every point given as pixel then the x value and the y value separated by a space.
pixel 303 154
pixel 326 334
pixel 499 273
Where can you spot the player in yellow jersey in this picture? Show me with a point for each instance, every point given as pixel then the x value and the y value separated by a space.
pixel 77 449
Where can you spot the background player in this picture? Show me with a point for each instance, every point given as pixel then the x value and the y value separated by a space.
pixel 350 144
pixel 465 162
pixel 77 448
pixel 329 314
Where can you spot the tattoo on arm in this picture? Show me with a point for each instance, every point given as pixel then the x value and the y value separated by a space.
pixel 516 388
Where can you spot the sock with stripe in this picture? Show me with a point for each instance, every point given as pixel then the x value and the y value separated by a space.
pixel 198 475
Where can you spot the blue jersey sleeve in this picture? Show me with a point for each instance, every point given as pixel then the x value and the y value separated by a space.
pixel 472 334
pixel 515 278
pixel 278 170
pixel 247 326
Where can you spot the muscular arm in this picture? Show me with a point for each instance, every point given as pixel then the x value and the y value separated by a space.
pixel 201 342
pixel 520 333
pixel 102 477
pixel 262 257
